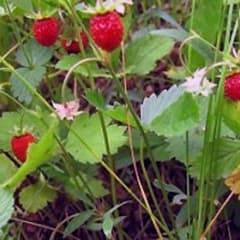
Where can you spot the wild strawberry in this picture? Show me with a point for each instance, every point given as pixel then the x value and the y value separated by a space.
pixel 46 31
pixel 73 46
pixel 232 86
pixel 107 30
pixel 20 145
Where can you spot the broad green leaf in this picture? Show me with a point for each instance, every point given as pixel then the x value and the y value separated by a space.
pixel 33 76
pixel 207 27
pixel 142 53
pixel 95 98
pixel 38 154
pixel 7 168
pixel 120 113
pixel 155 105
pixel 85 69
pixel 86 140
pixel 12 120
pixel 181 116
pixel 25 5
pixel 77 222
pixel 36 196
pixel 228 157
pixel 32 54
pixel 177 146
pixel 231 115
pixel 6 206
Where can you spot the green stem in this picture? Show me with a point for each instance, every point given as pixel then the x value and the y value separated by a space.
pixel 151 189
pixel 140 127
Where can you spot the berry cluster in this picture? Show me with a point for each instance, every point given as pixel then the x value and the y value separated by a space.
pixel 106 30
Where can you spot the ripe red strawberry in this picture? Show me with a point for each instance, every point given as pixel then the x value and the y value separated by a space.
pixel 107 30
pixel 73 46
pixel 232 86
pixel 46 31
pixel 20 145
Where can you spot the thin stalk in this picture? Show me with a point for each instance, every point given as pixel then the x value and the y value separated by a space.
pixel 188 181
pixel 219 108
pixel 140 183
pixel 151 189
pixel 65 81
pixel 141 156
pixel 140 127
pixel 211 139
pixel 203 235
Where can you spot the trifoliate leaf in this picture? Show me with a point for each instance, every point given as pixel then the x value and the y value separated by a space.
pixel 32 75
pixel 38 154
pixel 36 196
pixel 6 206
pixel 142 53
pixel 86 140
pixel 32 54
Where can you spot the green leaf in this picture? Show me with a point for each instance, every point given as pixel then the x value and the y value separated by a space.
pixel 120 113
pixel 107 226
pixel 38 154
pixel 231 115
pixel 154 105
pixel 33 76
pixel 86 141
pixel 32 54
pixel 6 206
pixel 85 69
pixel 95 98
pixel 25 5
pixel 228 157
pixel 167 187
pixel 30 120
pixel 36 196
pixel 77 222
pixel 180 117
pixel 7 168
pixel 142 53
pixel 207 27
pixel 172 113
pixel 177 146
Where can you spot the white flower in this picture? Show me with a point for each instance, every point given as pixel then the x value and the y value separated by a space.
pixel 67 110
pixel 117 5
pixel 198 84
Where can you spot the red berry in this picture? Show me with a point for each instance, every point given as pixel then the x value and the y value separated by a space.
pixel 46 31
pixel 107 30
pixel 20 145
pixel 73 46
pixel 232 86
